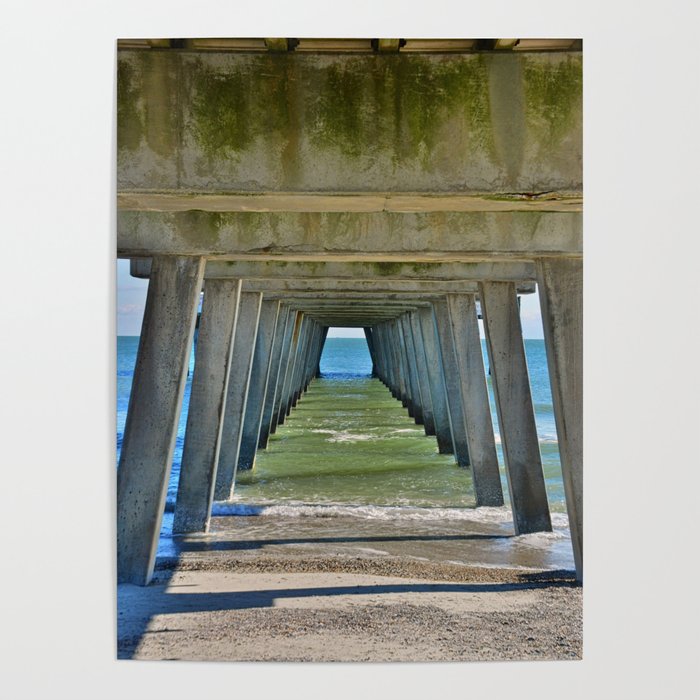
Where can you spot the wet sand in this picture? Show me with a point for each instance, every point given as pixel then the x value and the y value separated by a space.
pixel 252 590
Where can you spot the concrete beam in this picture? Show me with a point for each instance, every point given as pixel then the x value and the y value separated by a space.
pixel 378 276
pixel 356 202
pixel 301 122
pixel 412 238
pixel 154 410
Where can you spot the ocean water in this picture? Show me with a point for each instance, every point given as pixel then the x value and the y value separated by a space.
pixel 350 451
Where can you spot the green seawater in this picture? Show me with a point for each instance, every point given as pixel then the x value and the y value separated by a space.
pixel 350 441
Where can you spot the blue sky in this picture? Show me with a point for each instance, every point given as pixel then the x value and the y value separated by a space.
pixel 131 299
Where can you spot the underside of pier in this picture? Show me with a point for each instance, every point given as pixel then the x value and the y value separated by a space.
pixel 405 187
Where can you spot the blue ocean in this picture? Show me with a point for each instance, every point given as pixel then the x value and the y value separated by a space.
pixel 350 449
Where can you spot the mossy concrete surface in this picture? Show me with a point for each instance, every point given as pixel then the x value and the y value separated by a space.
pixel 413 238
pixel 226 122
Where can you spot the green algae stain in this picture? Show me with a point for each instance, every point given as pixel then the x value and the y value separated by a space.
pixel 129 122
pixel 387 269
pixel 402 101
pixel 553 93
pixel 160 84
pixel 233 107
pixel 200 229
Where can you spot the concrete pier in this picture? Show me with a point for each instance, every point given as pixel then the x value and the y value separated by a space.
pixel 560 285
pixel 154 410
pixel 416 395
pixel 283 321
pixel 396 235
pixel 436 379
pixel 453 382
pixel 257 386
pixel 475 399
pixel 237 396
pixel 516 416
pixel 422 369
pixel 200 454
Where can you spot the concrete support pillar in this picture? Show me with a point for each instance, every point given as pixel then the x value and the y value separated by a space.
pixel 475 399
pixel 416 397
pixel 324 335
pixel 399 381
pixel 290 382
pixel 237 395
pixel 403 367
pixel 154 410
pixel 386 359
pixel 560 283
pixel 258 383
pixel 301 357
pixel 441 414
pixel 516 416
pixel 378 354
pixel 284 365
pixel 423 380
pixel 372 352
pixel 313 356
pixel 286 377
pixel 283 320
pixel 453 382
pixel 205 414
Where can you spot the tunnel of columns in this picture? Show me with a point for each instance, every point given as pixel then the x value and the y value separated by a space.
pixel 390 186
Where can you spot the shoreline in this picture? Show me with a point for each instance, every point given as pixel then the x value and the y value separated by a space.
pixel 223 607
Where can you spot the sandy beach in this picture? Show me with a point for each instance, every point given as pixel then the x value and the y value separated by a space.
pixel 344 601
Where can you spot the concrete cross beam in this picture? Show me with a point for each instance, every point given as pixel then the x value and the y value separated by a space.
pixel 341 236
pixel 392 275
pixel 500 123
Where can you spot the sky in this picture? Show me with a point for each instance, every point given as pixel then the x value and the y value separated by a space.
pixel 131 300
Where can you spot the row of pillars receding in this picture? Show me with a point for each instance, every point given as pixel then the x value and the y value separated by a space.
pixel 255 357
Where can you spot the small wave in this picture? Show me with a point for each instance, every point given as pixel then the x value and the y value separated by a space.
pixel 344 435
pixel 487 515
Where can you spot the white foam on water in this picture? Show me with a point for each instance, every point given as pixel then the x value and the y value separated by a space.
pixel 344 435
pixel 487 515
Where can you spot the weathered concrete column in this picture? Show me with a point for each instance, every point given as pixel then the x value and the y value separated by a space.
pixel 283 319
pixel 154 410
pixel 378 354
pixel 404 372
pixel 290 386
pixel 560 283
pixel 395 348
pixel 285 374
pixel 416 396
pixel 370 347
pixel 257 387
pixel 516 416
pixel 423 381
pixel 313 356
pixel 385 364
pixel 237 395
pixel 324 336
pixel 453 382
pixel 300 360
pixel 441 414
pixel 475 399
pixel 200 454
